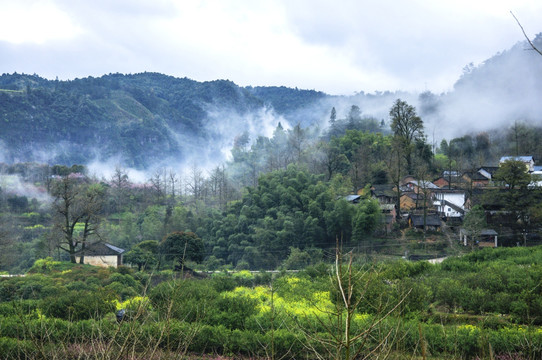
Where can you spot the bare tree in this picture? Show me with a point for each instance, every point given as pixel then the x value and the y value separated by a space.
pixel 120 184
pixel 339 339
pixel 422 174
pixel 526 37
pixel 76 203
pixel 297 139
pixel 396 171
pixel 67 213
pixel 173 183
pixel 92 203
pixel 279 155
pixel 219 186
pixel 159 185
pixel 195 182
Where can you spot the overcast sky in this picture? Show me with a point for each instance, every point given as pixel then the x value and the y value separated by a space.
pixel 339 47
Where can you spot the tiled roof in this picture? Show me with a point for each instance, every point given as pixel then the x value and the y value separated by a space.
pixel 430 220
pixel 517 158
pixel 101 249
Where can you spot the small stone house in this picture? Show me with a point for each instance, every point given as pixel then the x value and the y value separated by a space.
pixel 432 222
pixel 101 254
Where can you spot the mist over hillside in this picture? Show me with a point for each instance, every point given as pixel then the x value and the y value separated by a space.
pixel 149 120
pixel 492 95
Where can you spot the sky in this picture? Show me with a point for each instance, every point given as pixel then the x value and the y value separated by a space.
pixel 340 47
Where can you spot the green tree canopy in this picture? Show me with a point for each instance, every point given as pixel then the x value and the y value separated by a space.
pixel 182 246
pixel 143 255
pixel 513 173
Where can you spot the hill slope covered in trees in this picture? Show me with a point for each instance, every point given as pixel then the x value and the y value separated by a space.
pixel 143 120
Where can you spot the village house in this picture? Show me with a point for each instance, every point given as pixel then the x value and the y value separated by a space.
pixel 385 194
pixel 387 210
pixel 476 179
pixel 412 201
pixel 450 203
pixel 407 179
pixel 420 186
pixel 432 222
pixel 389 215
pixel 488 238
pixel 101 254
pixel 448 179
pixel 527 160
pixel 354 199
pixel 488 171
pixel 536 176
pixel 441 182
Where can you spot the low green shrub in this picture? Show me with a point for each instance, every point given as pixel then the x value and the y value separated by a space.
pixel 232 311
pixel 286 344
pixel 124 292
pixel 78 305
pixel 245 342
pixel 48 265
pixel 81 286
pixel 211 339
pixel 18 307
pixel 17 349
pixel 187 300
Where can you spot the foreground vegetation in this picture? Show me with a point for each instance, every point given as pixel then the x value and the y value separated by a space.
pixel 485 305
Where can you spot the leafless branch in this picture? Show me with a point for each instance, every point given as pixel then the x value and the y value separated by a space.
pixel 524 34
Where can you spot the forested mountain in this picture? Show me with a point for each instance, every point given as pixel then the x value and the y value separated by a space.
pixel 150 119
pixel 140 118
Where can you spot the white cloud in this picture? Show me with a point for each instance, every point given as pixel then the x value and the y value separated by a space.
pixel 339 47
pixel 34 22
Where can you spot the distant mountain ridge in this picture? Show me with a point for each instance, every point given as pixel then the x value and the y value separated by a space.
pixel 143 120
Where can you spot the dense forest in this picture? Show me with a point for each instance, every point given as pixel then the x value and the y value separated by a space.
pixel 165 116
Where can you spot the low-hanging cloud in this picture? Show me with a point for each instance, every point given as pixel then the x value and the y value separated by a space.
pixel 14 185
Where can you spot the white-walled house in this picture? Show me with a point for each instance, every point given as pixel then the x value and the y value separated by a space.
pixel 527 160
pixel 450 203
pixel 101 254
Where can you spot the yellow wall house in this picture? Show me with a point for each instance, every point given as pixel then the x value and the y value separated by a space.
pixel 101 254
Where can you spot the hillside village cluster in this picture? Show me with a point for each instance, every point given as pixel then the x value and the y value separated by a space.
pixel 426 205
